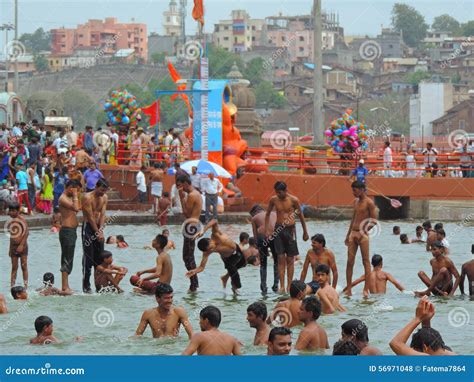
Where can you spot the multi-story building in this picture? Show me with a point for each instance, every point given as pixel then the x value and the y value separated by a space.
pixel 107 37
pixel 296 34
pixel 172 20
pixel 239 33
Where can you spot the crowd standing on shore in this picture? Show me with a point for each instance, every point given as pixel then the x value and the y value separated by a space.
pixel 273 230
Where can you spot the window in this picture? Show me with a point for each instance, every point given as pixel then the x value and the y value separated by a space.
pixel 301 49
pixel 226 28
pixel 254 28
pixel 301 38
pixel 168 19
pixel 218 40
pixel 57 61
pixel 81 36
pixel 390 46
pixel 226 38
pixel 283 38
pixel 253 38
pixel 217 28
pixel 235 40
pixel 462 124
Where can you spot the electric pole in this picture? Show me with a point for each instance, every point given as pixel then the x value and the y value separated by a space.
pixel 15 89
pixel 318 112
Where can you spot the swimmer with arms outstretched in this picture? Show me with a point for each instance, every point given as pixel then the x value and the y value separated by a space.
pixel 166 319
pixel 326 293
pixel 428 340
pixel 379 278
pixel 230 253
pixel 363 220
pixel 212 341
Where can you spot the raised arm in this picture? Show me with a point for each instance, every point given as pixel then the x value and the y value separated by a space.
pixel 142 325
pixel 304 271
pixel 68 204
pixel 395 282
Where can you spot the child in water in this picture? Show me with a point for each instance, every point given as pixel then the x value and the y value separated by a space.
pixel 119 240
pixel 55 221
pixel 44 332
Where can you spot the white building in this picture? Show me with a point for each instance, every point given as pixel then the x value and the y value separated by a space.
pixel 172 20
pixel 431 102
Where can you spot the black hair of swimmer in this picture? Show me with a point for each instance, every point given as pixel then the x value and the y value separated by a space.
pixel 441 232
pixel 252 260
pixel 48 278
pixel 259 309
pixel 313 305
pixel 102 183
pixel 278 331
pixel 243 236
pixel 165 230
pixel 358 184
pixel 105 255
pixel 252 242
pixel 16 291
pixel 345 347
pixel 203 244
pixel 109 239
pixel 356 328
pixel 296 287
pixel 121 239
pixel 256 208
pixel 162 240
pixel 166 194
pixel 319 238
pixel 14 207
pixel 73 183
pixel 426 224
pixel 42 322
pixel 322 268
pixel 437 244
pixel 418 228
pixel 396 229
pixel 438 226
pixel 183 178
pixel 280 186
pixel 429 337
pixel 212 315
pixel 163 289
pixel 377 260
pixel 403 238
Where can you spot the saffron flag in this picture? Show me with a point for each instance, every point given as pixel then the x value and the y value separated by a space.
pixel 153 111
pixel 176 77
pixel 198 11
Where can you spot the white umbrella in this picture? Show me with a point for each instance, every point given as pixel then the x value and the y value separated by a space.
pixel 205 167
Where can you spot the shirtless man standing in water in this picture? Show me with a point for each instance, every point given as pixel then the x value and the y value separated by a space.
pixel 467 270
pixel 166 319
pixel 68 208
pixel 287 208
pixel 211 341
pixel 363 219
pixel 94 206
pixel 191 203
pixel 156 178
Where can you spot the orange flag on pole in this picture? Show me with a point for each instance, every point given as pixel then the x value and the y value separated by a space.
pixel 198 11
pixel 153 111
pixel 176 77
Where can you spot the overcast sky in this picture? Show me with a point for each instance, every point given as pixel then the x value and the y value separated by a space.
pixel 358 17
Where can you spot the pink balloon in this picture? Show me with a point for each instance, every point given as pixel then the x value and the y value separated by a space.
pixel 354 133
pixel 355 144
pixel 328 133
pixel 353 128
pixel 341 144
pixel 345 133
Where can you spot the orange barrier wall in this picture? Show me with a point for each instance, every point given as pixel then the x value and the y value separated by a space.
pixel 325 190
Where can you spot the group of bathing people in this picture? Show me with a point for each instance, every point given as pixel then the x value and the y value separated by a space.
pixel 273 230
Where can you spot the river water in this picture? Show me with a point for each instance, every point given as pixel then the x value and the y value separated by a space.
pixel 107 322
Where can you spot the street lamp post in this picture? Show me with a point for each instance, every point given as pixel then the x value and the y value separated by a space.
pixel 6 28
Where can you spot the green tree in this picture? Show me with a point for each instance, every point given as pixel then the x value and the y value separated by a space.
pixel 37 41
pixel 221 61
pixel 254 71
pixel 446 23
pixel 158 58
pixel 467 29
pixel 267 96
pixel 80 107
pixel 41 63
pixel 416 77
pixel 407 19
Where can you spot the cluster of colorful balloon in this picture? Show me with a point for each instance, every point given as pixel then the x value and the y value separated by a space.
pixel 122 108
pixel 346 134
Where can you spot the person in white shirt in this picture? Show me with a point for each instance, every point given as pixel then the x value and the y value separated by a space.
pixel 195 178
pixel 387 160
pixel 176 207
pixel 211 187
pixel 71 137
pixel 168 139
pixel 430 154
pixel 141 185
